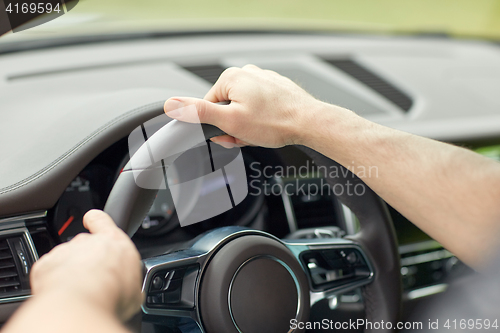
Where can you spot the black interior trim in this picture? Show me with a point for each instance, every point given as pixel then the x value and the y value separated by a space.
pixel 373 81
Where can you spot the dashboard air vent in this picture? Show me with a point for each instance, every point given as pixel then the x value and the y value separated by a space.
pixel 313 205
pixel 9 277
pixel 209 73
pixel 373 81
pixel 15 265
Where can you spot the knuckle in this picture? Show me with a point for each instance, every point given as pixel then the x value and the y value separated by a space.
pixel 201 108
pixel 274 75
pixel 230 73
pixel 250 67
pixel 80 237
pixel 119 233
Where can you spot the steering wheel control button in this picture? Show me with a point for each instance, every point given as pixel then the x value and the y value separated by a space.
pixel 155 299
pixel 172 295
pixel 330 268
pixel 167 288
pixel 157 283
pixel 352 258
pixel 258 285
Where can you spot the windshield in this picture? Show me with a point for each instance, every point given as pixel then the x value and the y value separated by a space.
pixel 456 18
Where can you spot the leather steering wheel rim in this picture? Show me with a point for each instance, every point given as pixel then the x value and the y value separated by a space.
pixel 377 236
pixel 128 204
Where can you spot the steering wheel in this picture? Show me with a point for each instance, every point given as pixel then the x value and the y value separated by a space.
pixel 235 279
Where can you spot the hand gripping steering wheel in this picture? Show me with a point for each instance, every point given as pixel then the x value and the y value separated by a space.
pixel 235 279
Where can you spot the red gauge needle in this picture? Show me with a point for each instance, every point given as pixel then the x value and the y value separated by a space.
pixel 65 225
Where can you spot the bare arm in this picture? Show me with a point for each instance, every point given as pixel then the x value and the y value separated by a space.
pixel 449 192
pixel 62 313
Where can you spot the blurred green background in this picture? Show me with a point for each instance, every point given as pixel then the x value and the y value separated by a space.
pixel 457 18
pixel 492 152
pixel 476 18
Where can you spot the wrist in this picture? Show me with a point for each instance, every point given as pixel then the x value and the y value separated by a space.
pixel 69 312
pixel 305 125
pixel 75 297
pixel 324 123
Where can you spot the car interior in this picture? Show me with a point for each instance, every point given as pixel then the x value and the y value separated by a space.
pixel 68 108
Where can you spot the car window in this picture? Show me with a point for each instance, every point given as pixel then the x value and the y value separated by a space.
pixel 90 17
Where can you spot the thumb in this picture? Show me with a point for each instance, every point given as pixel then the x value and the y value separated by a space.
pixel 96 221
pixel 195 110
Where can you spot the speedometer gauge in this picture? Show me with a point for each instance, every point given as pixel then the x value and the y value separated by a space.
pixel 87 191
pixel 74 203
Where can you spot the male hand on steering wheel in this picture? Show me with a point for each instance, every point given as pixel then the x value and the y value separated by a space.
pixel 267 109
pixel 90 284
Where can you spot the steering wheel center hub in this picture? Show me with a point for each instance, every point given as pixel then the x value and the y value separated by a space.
pixel 253 284
pixel 264 295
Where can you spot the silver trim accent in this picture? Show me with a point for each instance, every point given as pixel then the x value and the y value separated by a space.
pixel 426 257
pixel 333 302
pixel 287 203
pixel 427 291
pixel 27 237
pixel 24 217
pixel 350 298
pixel 350 220
pixel 14 299
pixel 421 246
pixel 295 280
pixel 12 225
pixel 320 232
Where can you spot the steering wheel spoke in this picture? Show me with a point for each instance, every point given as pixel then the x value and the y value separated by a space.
pixel 170 283
pixel 333 266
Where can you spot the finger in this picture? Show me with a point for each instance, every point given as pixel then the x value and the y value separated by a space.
pixel 96 221
pixel 221 90
pixel 228 141
pixel 195 110
pixel 225 141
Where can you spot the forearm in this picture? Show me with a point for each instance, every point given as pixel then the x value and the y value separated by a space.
pixel 449 192
pixel 62 312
